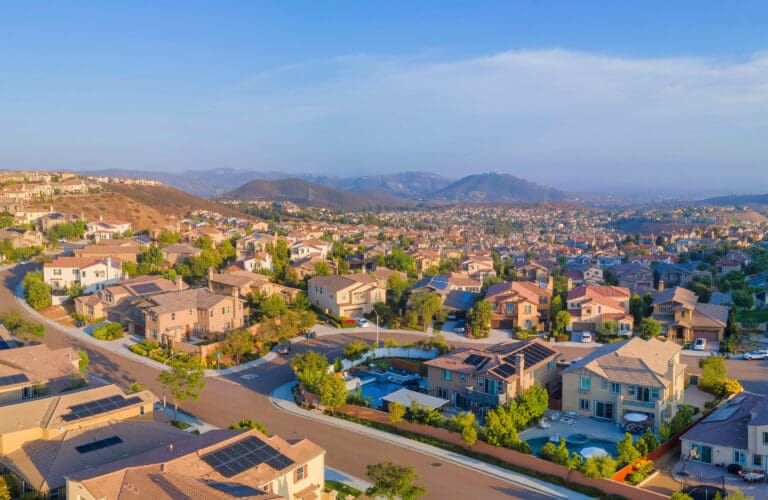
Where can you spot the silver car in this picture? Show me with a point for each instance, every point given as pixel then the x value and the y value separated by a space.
pixel 757 354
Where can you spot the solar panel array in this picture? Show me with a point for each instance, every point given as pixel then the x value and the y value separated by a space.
pixel 97 445
pixel 722 413
pixel 505 370
pixel 13 379
pixel 533 353
pixel 99 406
pixel 476 360
pixel 235 490
pixel 143 288
pixel 246 454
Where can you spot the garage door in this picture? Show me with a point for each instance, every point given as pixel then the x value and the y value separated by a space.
pixel 708 336
pixel 354 313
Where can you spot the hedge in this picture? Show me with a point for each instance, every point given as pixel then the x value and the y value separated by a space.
pixel 112 331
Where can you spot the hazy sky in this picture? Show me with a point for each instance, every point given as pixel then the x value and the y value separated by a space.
pixel 570 94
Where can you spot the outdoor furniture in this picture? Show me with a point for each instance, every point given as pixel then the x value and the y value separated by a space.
pixel 555 416
pixel 571 414
pixel 543 424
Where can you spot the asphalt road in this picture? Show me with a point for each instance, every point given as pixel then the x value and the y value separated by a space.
pixel 230 399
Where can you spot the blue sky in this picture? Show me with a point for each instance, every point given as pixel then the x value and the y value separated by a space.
pixel 579 95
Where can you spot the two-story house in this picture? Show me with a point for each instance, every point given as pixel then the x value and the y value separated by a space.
pixel 350 295
pixel 672 275
pixel 32 370
pixel 685 319
pixel 735 433
pixel 124 250
pixel 478 267
pixel 90 273
pixel 457 291
pixel 310 248
pixel 105 302
pixel 179 315
pixel 635 277
pixel 244 283
pixel 591 305
pixel 474 379
pixel 634 376
pixel 533 271
pixel 522 304
pixel 177 253
pixel 254 243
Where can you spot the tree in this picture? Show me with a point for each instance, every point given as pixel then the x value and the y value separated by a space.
pixel 166 238
pixel 239 343
pixel 247 424
pixel 11 319
pixel 533 402
pixel 75 290
pixel 469 436
pixel 426 305
pixel 391 480
pixel 135 387
pixel 332 391
pixel 713 370
pixel 183 382
pixel 5 491
pixel 322 269
pixel 681 421
pixel 599 466
pixel 627 452
pixel 399 287
pixel 636 308
pixel 609 327
pixel 310 368
pixel 679 495
pixel 396 411
pixel 743 298
pixel 649 328
pixel 647 304
pixel 36 291
pixel 480 316
pixel 726 387
pixel 650 440
pixel 84 360
pixel 562 320
pixel 29 329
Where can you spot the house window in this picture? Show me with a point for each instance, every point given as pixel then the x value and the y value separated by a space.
pixel 266 487
pixel 739 457
pixel 57 272
pixel 765 438
pixel 757 460
pixel 584 404
pixel 299 473
pixel 211 313
pixel 509 306
pixel 632 391
pixel 603 384
pixel 527 309
pixel 701 453
pixel 446 374
pixel 550 364
pixel 173 316
pixel 584 383
pixel 82 274
pixel 462 377
pixel 442 393
pixel 615 388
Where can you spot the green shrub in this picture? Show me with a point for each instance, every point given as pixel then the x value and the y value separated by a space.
pixel 111 331
pixel 137 349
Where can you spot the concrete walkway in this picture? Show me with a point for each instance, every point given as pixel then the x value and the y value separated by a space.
pixel 282 398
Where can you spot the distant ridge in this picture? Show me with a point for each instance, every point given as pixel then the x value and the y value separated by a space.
pixel 417 184
pixel 747 199
pixel 311 194
pixel 497 188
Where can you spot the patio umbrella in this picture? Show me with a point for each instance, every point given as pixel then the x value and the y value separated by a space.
pixel 635 417
pixel 592 451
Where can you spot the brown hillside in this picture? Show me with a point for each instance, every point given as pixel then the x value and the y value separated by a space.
pixel 170 201
pixel 111 206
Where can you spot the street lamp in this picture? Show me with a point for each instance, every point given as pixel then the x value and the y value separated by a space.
pixel 164 364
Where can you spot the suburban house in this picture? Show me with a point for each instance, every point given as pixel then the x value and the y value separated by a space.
pixel 310 248
pixel 22 238
pixel 45 439
pixel 478 267
pixel 194 234
pixel 634 376
pixel 533 271
pixel 350 295
pixel 635 277
pixel 591 305
pixel 683 318
pixel 253 243
pixel 181 315
pixel 106 229
pixel 672 275
pixel 220 464
pixel 735 433
pixel 105 302
pixel 425 258
pixel 308 266
pixel 123 250
pixel 177 253
pixel 458 291
pixel 474 379
pixel 519 304
pixel 35 370
pixel 90 273
pixel 242 283
pixel 585 274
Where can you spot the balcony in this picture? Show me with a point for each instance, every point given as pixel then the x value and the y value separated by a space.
pixel 641 404
pixel 483 397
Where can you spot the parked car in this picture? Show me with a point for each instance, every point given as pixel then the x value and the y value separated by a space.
pixel 363 323
pixel 757 354
pixel 284 348
pixel 586 337
pixel 461 326
pixel 699 344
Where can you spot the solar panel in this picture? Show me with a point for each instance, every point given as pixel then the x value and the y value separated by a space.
pixel 722 413
pixel 505 370
pixel 236 490
pixel 243 455
pixel 13 379
pixel 476 360
pixel 99 406
pixel 97 445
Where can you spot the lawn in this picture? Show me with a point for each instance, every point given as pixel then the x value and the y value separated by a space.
pixel 752 318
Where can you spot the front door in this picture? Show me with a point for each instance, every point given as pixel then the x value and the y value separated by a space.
pixel 604 410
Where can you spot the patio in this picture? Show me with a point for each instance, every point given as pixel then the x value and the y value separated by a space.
pixel 695 474
pixel 593 428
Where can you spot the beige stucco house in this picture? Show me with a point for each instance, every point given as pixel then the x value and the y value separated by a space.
pixel 634 376
pixel 350 295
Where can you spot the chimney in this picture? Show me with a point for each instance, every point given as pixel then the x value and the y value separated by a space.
pixel 108 262
pixel 660 287
pixel 179 283
pixel 210 279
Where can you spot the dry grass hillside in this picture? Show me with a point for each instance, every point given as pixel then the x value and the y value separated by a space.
pixel 171 201
pixel 112 206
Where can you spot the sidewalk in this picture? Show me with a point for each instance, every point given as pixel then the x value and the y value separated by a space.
pixel 282 398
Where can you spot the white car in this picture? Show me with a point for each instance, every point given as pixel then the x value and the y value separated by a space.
pixel 363 323
pixel 699 344
pixel 586 337
pixel 757 354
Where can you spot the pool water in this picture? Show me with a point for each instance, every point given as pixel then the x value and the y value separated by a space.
pixel 609 446
pixel 376 390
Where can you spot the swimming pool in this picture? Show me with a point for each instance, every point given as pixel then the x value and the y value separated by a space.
pixel 374 391
pixel 609 446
